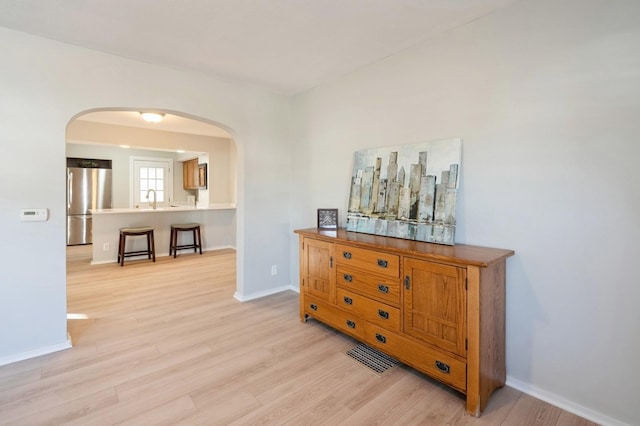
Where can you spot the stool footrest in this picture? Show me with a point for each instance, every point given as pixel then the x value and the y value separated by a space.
pixel 186 246
pixel 136 253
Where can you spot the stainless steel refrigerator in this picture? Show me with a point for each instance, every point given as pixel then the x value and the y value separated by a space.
pixel 88 187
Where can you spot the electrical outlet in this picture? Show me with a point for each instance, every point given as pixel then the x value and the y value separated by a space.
pixel 274 269
pixel 105 247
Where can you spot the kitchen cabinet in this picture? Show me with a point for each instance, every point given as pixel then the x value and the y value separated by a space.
pixel 190 174
pixel 439 309
pixel 194 175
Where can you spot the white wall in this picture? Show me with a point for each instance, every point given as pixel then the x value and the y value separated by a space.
pixel 546 97
pixel 43 85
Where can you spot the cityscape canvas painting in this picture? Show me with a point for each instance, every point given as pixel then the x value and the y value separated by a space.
pixel 406 191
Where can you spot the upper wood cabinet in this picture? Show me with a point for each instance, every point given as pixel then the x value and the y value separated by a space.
pixel 190 174
pixel 194 175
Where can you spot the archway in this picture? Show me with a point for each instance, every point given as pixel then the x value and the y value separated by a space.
pixel 119 133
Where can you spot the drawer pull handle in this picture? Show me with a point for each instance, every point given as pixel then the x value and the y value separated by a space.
pixel 346 254
pixel 351 324
pixel 348 300
pixel 313 307
pixel 382 263
pixel 348 278
pixel 383 288
pixel 383 314
pixel 380 338
pixel 442 367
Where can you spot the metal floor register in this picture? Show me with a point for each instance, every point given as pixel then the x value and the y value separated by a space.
pixel 372 358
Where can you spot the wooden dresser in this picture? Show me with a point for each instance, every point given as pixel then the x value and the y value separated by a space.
pixel 437 308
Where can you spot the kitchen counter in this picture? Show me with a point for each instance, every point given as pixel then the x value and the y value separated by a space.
pixel 173 208
pixel 217 223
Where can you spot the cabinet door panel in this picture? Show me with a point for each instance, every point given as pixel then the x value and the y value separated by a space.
pixel 320 278
pixel 435 302
pixel 189 174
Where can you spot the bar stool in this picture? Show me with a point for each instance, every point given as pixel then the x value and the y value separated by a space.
pixel 179 227
pixel 133 232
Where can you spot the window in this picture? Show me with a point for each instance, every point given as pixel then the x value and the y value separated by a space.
pixel 152 178
pixel 151 174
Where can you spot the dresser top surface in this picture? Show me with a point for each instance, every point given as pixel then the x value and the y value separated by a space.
pixel 459 253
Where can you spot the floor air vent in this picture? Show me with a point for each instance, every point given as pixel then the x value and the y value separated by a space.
pixel 371 358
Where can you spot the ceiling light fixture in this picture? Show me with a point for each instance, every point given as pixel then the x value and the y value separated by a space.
pixel 152 117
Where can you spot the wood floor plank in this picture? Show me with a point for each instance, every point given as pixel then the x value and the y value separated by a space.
pixel 52 391
pixel 285 401
pixel 569 419
pixel 223 409
pixel 70 410
pixel 166 343
pixel 168 413
pixel 391 406
pixel 328 411
pixel 500 405
pixel 19 377
pixel 530 411
pixel 281 369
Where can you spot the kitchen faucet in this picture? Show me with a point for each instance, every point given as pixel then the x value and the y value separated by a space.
pixel 154 197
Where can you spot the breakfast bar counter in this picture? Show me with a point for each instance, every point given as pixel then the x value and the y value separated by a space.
pixel 218 227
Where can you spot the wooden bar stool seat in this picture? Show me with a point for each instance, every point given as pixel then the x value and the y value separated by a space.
pixel 181 227
pixel 134 232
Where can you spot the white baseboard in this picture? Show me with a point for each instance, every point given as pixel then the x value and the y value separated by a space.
pixel 258 295
pixel 563 403
pixel 218 248
pixel 36 352
pixel 102 262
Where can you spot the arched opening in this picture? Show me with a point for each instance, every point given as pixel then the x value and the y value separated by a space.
pixel 120 135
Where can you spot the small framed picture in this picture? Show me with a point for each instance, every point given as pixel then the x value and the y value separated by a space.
pixel 328 218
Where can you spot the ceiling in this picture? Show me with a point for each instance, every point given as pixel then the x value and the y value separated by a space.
pixel 170 123
pixel 287 46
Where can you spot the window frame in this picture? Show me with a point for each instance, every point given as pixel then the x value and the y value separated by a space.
pixel 133 176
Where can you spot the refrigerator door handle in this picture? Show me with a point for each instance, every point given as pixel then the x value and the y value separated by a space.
pixel 69 189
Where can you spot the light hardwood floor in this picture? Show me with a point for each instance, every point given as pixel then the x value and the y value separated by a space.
pixel 166 343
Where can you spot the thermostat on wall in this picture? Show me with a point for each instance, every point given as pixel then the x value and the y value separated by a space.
pixel 34 215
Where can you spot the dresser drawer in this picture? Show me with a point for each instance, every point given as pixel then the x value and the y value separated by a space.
pixel 433 363
pixel 373 261
pixel 371 310
pixel 347 322
pixel 383 289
